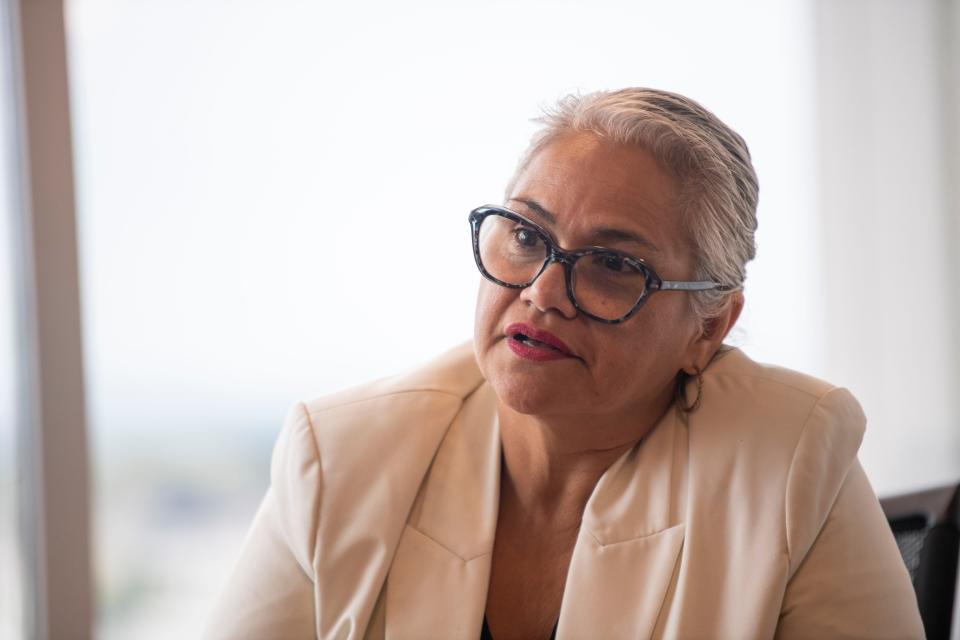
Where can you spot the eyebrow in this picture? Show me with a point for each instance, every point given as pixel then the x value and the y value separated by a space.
pixel 537 208
pixel 600 235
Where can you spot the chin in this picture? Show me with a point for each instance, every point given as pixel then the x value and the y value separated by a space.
pixel 524 387
pixel 526 396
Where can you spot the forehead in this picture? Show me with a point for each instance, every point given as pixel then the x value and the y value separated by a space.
pixel 588 182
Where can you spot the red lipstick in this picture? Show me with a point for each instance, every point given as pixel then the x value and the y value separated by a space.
pixel 531 343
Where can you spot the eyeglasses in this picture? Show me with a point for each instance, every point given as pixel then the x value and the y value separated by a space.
pixel 603 284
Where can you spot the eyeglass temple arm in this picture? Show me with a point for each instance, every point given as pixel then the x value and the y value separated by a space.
pixel 686 285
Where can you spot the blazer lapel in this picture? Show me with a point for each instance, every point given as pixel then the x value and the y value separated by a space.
pixel 626 554
pixel 437 584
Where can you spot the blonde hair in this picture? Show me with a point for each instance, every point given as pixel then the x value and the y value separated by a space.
pixel 719 190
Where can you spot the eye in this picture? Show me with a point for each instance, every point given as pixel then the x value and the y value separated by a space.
pixel 526 237
pixel 613 263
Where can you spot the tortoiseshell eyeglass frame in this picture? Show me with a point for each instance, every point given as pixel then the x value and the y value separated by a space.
pixel 568 258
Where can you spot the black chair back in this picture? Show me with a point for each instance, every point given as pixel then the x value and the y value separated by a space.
pixel 926 526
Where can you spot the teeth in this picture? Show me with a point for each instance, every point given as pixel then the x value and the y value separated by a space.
pixel 533 343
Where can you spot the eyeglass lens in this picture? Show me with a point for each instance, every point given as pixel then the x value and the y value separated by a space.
pixel 604 284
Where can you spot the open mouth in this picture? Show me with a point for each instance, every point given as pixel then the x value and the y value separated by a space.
pixel 532 341
pixel 527 340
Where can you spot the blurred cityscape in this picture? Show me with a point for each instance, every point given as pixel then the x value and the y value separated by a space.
pixel 10 560
pixel 170 517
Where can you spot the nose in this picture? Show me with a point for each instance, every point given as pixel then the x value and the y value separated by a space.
pixel 549 292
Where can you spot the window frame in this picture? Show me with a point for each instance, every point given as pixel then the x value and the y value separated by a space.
pixel 52 445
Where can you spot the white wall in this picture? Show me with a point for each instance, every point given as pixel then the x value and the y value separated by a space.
pixel 889 233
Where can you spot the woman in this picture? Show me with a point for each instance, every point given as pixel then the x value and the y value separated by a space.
pixel 596 464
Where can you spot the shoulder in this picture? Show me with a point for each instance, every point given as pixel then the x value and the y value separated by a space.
pixel 791 438
pixel 408 412
pixel 359 455
pixel 453 374
pixel 349 423
pixel 734 365
pixel 422 399
pixel 773 403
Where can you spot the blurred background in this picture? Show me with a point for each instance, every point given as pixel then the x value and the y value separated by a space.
pixel 271 203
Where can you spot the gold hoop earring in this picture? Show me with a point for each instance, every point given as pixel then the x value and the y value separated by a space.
pixel 682 391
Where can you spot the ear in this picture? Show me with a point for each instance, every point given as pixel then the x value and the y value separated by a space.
pixel 705 343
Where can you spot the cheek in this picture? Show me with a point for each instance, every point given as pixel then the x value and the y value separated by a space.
pixel 492 301
pixel 657 338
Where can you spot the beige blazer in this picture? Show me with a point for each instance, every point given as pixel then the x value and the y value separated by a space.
pixel 750 518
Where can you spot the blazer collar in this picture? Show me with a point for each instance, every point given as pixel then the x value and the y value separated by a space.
pixel 437 586
pixel 626 553
pixel 622 564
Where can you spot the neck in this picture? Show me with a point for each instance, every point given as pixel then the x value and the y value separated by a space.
pixel 551 464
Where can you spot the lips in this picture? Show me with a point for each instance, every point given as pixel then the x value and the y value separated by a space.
pixel 528 341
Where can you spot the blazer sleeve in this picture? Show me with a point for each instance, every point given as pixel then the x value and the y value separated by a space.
pixel 847 577
pixel 271 591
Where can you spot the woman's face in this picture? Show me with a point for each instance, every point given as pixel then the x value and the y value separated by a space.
pixel 589 192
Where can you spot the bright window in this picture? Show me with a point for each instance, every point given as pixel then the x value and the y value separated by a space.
pixel 272 200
